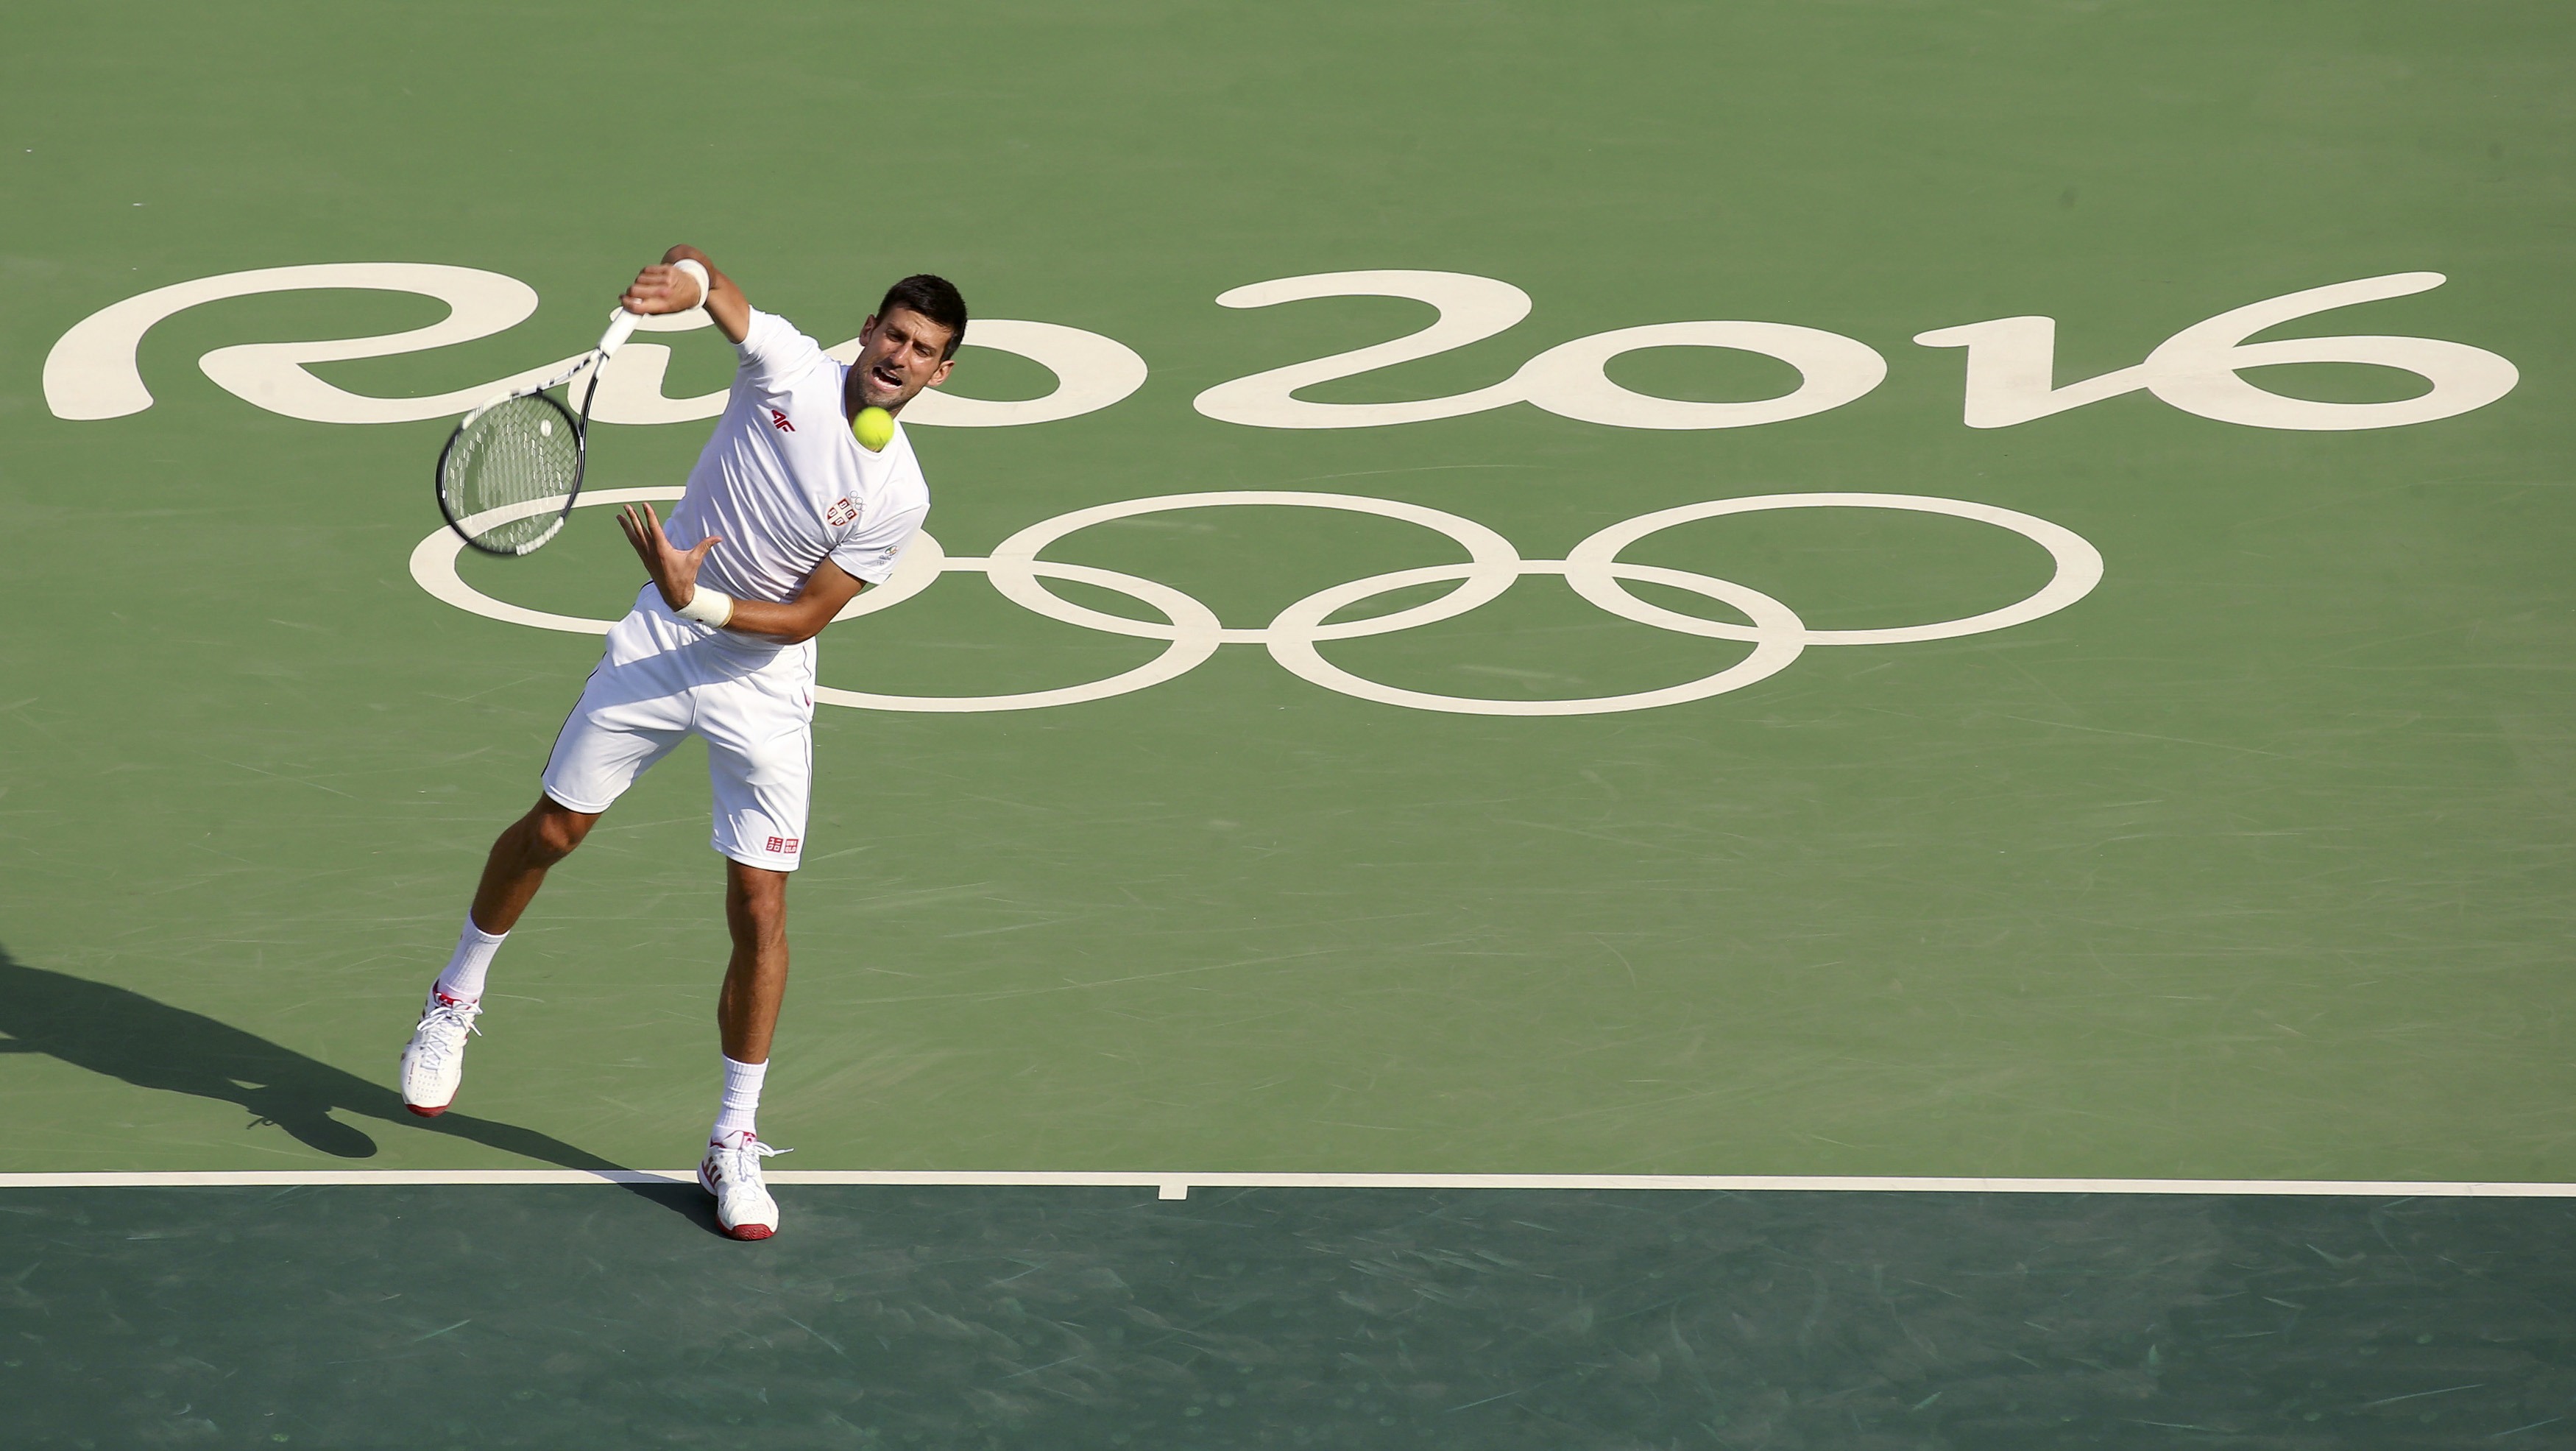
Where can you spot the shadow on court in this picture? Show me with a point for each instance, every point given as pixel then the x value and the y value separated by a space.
pixel 154 1045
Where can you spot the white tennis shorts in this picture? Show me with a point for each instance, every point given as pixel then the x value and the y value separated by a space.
pixel 662 680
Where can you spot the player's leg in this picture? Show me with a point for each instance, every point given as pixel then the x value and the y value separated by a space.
pixel 756 979
pixel 632 712
pixel 760 764
pixel 755 984
pixel 520 858
pixel 433 1062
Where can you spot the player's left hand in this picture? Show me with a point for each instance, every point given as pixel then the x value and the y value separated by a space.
pixel 674 571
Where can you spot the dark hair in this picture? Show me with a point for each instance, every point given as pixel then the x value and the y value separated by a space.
pixel 935 298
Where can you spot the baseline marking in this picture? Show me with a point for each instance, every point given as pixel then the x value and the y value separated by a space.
pixel 1177 1186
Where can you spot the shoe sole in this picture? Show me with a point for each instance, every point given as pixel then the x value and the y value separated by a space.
pixel 426 1112
pixel 746 1232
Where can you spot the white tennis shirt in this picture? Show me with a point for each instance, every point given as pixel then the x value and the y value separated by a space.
pixel 784 485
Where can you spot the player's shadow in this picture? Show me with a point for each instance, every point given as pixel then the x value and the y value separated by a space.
pixel 151 1044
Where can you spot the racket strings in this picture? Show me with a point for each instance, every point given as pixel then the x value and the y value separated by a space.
pixel 521 458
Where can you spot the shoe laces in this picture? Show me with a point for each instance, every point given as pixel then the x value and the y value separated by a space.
pixel 752 1148
pixel 455 1018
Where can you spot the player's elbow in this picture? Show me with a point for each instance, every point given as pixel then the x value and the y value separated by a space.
pixel 817 606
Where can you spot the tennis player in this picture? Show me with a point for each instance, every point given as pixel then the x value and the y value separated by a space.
pixel 786 519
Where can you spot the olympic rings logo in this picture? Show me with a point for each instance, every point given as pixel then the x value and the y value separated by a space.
pixel 1192 633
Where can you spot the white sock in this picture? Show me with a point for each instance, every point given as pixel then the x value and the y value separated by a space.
pixel 463 979
pixel 741 1102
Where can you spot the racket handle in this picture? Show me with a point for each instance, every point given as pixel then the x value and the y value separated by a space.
pixel 621 326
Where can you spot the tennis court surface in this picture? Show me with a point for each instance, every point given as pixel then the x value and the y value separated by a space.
pixel 1897 772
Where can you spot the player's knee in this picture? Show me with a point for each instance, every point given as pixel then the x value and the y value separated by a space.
pixel 756 897
pixel 551 831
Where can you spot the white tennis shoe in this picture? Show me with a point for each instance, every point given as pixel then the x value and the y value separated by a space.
pixel 732 1174
pixel 433 1062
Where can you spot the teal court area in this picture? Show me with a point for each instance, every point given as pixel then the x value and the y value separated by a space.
pixel 1769 725
pixel 1102 1317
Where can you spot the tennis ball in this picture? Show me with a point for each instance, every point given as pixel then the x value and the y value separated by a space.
pixel 874 428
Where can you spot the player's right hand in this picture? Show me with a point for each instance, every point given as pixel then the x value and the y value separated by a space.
pixel 660 289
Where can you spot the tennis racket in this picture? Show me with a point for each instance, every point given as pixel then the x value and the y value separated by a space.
pixel 510 471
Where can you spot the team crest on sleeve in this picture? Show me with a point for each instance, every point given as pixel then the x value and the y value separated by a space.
pixel 841 512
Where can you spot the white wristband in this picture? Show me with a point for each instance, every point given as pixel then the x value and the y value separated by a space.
pixel 707 607
pixel 698 270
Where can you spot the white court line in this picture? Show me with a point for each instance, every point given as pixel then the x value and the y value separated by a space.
pixel 1178 1186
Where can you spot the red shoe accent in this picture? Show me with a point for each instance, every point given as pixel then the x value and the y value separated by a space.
pixel 426 1112
pixel 749 1231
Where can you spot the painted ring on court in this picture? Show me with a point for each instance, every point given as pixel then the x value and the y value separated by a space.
pixel 1193 632
pixel 433 567
pixel 1592 567
pixel 1778 634
pixel 1492 563
pixel 1193 639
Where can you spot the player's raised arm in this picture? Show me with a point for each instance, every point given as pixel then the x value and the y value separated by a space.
pixel 670 287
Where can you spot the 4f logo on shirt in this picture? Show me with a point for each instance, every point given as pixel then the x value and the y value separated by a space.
pixel 841 512
pixel 780 419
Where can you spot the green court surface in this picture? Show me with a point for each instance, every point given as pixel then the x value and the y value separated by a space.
pixel 2240 852
pixel 962 1317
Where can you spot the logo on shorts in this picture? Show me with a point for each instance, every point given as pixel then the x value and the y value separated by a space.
pixel 841 512
pixel 785 845
pixel 780 419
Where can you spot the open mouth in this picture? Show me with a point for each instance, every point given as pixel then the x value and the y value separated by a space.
pixel 886 378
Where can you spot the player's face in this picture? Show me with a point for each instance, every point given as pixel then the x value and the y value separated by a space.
pixel 899 355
